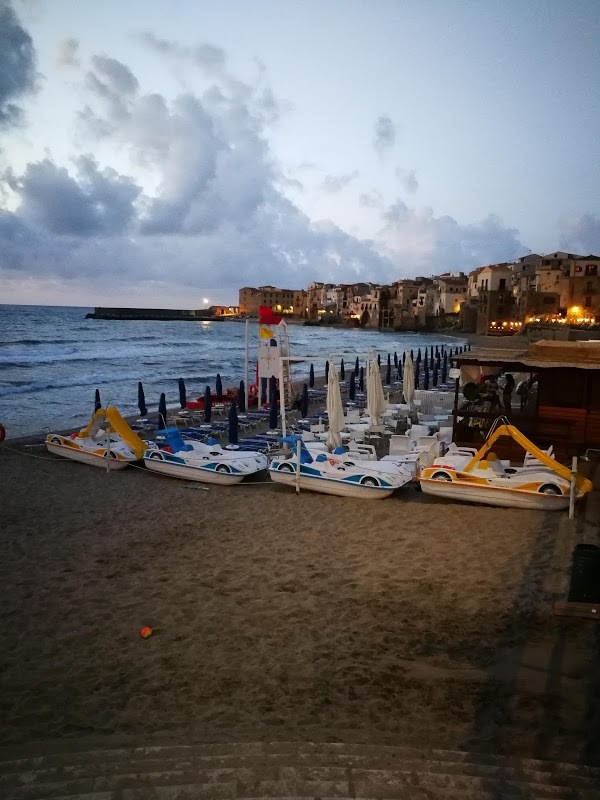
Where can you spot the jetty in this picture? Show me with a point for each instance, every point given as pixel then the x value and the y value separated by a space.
pixel 164 314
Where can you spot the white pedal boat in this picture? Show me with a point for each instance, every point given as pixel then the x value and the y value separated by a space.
pixel 543 484
pixel 337 473
pixel 107 441
pixel 207 463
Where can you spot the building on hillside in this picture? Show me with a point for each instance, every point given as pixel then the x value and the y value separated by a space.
pixel 288 302
pixel 495 300
pixel 450 292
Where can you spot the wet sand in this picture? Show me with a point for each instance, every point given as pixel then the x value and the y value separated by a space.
pixel 408 620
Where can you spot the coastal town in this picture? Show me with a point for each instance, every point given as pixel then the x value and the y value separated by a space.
pixel 554 289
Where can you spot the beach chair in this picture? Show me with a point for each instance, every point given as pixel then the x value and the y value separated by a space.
pixel 400 445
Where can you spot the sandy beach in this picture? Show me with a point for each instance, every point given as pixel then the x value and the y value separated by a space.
pixel 408 620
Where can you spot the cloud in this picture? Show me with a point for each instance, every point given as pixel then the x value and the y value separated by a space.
pixel 408 179
pixel 372 199
pixel 208 57
pixel 433 244
pixel 17 65
pixel 97 202
pixel 335 183
pixel 385 134
pixel 580 234
pixel 66 55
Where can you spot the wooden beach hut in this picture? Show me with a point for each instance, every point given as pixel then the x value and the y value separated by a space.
pixel 562 391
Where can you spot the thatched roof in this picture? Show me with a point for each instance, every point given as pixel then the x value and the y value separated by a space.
pixel 539 355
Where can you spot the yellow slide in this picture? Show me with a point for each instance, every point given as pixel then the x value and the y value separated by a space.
pixel 583 484
pixel 112 416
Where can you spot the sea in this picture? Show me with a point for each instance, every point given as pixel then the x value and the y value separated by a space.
pixel 52 359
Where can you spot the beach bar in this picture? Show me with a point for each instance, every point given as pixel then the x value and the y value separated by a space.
pixel 559 399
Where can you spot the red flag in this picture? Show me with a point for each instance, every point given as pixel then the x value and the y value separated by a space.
pixel 267 317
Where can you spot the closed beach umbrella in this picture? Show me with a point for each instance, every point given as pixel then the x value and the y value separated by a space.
pixel 342 370
pixel 404 358
pixel 263 391
pixel 97 403
pixel 408 382
pixel 242 397
pixel 352 387
pixel 162 412
pixel 335 411
pixel 417 375
pixel 182 393
pixel 444 368
pixel 273 404
pixel 426 376
pixel 361 379
pixel 233 424
pixel 396 359
pixel 438 359
pixel 356 366
pixel 419 356
pixel 412 358
pixel 304 401
pixel 311 376
pixel 388 372
pixel 432 352
pixel 207 405
pixel 425 360
pixel 142 400
pixel 376 404
pixel 379 360
pixel 326 372
pixel 434 377
pixel 219 387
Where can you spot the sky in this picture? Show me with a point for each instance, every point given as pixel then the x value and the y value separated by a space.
pixel 167 152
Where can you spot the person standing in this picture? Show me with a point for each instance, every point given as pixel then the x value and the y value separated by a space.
pixel 507 391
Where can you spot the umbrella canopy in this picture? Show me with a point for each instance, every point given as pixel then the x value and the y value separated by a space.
pixel 242 397
pixel 352 387
pixel 233 424
pixel 182 393
pixel 408 381
pixel 376 404
pixel 361 379
pixel 142 400
pixel 218 387
pixel 326 371
pixel 396 359
pixel 434 377
pixel 335 411
pixel 162 412
pixel 97 403
pixel 207 405
pixel 444 368
pixel 356 366
pixel 311 376
pixel 388 372
pixel 426 376
pixel 342 370
pixel 304 401
pixel 273 410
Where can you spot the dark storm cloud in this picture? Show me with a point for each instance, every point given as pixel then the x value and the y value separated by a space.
pixel 385 134
pixel 97 202
pixel 17 65
pixel 581 235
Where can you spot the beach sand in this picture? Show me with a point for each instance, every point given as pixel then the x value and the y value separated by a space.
pixel 409 620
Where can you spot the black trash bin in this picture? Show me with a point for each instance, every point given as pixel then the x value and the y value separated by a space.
pixel 585 574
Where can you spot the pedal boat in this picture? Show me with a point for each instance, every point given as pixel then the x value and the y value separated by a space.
pixel 338 473
pixel 543 484
pixel 107 441
pixel 207 463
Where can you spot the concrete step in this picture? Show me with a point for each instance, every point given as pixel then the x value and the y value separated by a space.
pixel 287 769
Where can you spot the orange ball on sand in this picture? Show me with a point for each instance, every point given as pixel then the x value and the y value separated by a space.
pixel 146 632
